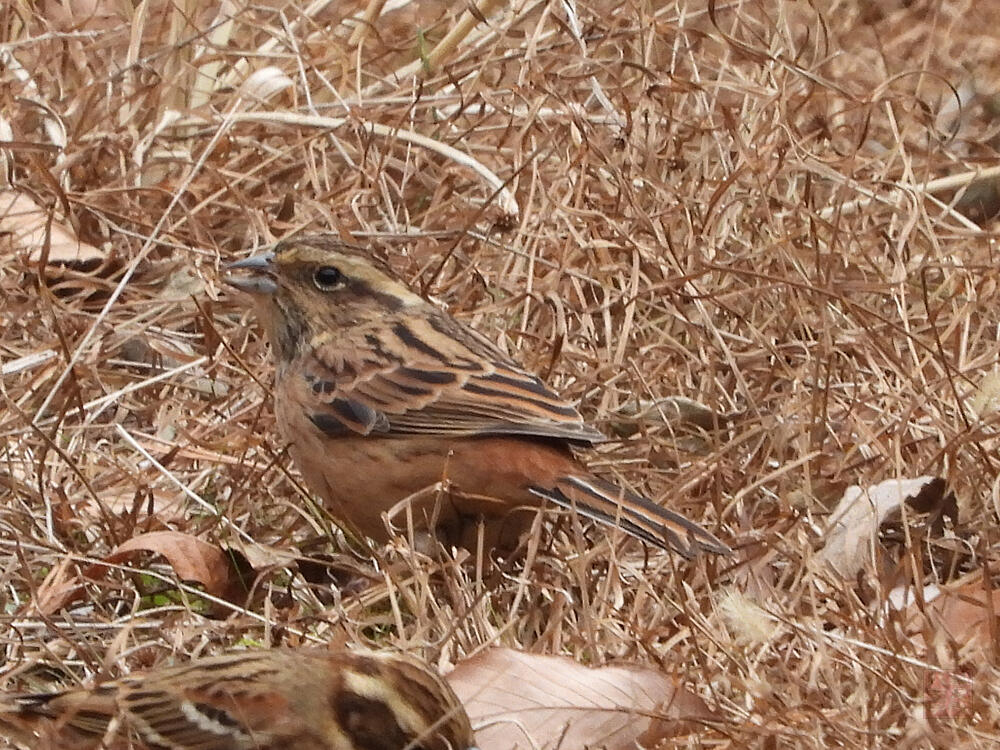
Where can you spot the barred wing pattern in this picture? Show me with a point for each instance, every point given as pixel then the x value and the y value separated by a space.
pixel 434 377
pixel 431 376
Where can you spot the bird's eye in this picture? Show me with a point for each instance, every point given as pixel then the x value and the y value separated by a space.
pixel 327 277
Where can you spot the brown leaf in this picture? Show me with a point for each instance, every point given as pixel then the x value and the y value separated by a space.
pixel 193 559
pixel 25 222
pixel 521 700
pixel 222 573
pixel 966 615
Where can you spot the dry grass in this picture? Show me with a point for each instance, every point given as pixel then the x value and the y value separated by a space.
pixel 734 204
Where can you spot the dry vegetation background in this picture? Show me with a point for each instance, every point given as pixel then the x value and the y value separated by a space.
pixel 770 209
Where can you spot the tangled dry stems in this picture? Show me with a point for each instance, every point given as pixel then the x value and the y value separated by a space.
pixel 724 202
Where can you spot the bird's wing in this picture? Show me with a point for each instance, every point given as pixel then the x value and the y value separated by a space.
pixel 429 376
pixel 224 702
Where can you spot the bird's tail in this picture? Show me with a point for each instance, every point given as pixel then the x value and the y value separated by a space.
pixel 637 516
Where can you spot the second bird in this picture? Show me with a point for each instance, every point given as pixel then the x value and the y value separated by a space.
pixel 382 395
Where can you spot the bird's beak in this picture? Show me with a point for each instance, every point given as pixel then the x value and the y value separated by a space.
pixel 261 278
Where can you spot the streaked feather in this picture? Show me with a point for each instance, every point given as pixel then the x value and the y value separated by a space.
pixel 618 507
pixel 365 357
pixel 255 700
pixel 426 383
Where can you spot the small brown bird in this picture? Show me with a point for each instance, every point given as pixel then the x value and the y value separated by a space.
pixel 381 395
pixel 253 700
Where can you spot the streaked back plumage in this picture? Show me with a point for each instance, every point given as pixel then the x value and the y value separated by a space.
pixel 278 699
pixel 381 394
pixel 378 357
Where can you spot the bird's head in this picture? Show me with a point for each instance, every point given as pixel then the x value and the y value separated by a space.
pixel 319 283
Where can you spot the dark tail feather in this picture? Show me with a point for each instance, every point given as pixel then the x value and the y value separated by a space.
pixel 615 506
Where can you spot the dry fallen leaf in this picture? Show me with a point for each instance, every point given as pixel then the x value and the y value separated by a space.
pixel 193 559
pixel 519 700
pixel 853 529
pixel 967 615
pixel 218 570
pixel 24 222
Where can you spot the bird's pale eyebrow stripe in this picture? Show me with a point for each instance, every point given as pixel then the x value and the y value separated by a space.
pixel 368 688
